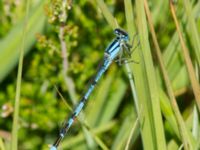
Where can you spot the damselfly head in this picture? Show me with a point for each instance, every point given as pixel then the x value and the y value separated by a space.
pixel 121 34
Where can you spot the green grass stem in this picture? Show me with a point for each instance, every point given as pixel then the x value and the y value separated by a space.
pixel 108 16
pixel 188 62
pixel 174 105
pixel 193 32
pixel 15 127
pixel 147 88
pixel 2 144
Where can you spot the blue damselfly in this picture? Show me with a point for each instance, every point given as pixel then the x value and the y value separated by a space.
pixel 117 49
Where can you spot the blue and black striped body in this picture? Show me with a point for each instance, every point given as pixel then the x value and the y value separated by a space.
pixel 111 52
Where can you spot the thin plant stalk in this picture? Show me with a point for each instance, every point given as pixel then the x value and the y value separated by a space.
pixel 65 64
pixel 131 80
pixel 193 32
pixel 195 126
pixel 15 125
pixel 68 81
pixel 179 119
pixel 108 16
pixel 153 136
pixel 130 21
pixel 2 144
pixel 188 62
pixel 95 131
pixel 131 134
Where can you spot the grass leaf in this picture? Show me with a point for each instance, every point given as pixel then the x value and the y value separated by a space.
pixel 147 88
pixel 15 124
pixel 9 52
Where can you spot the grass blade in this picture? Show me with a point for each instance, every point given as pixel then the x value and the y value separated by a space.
pixel 172 145
pixel 1 144
pixel 109 17
pixel 152 132
pixel 71 142
pixel 131 134
pixel 129 18
pixel 113 102
pixel 188 62
pixel 15 126
pixel 9 53
pixel 193 32
pixel 195 128
pixel 123 133
pixel 95 108
pixel 174 105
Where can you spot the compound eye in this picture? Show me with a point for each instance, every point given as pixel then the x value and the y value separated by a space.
pixel 116 31
pixel 127 37
pixel 120 33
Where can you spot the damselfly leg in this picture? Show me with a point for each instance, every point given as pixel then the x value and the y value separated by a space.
pixel 126 52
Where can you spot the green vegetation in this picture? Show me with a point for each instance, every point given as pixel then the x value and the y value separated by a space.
pixel 49 51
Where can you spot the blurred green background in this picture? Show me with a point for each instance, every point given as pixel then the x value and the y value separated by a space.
pixel 54 78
